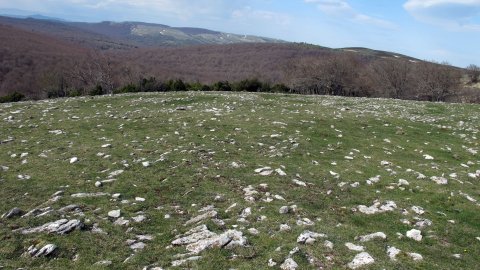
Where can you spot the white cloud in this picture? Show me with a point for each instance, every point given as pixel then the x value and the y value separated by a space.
pixel 450 14
pixel 341 8
pixel 250 14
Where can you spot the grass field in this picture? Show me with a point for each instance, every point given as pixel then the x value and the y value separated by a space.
pixel 233 162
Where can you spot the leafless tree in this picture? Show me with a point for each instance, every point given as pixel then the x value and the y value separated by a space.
pixel 96 69
pixel 473 72
pixel 436 81
pixel 393 77
pixel 335 74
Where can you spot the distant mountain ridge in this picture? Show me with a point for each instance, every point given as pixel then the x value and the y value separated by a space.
pixel 124 35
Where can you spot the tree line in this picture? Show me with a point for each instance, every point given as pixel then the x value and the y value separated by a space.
pixel 337 73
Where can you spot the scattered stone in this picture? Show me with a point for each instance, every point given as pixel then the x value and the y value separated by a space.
pixel 354 247
pixel 369 237
pixel 415 235
pixel 271 263
pixel 280 172
pixel 403 182
pixel 62 226
pixel 439 180
pixel 305 222
pixel 373 180
pixel 183 261
pixel 115 173
pixel 98 230
pixel 361 260
pixel 328 244
pixel 36 212
pixel 103 263
pixel 422 223
pixel 139 218
pixel 234 165
pixel 45 251
pixel 139 199
pixel 428 157
pixel 289 264
pixel 137 246
pixel 377 208
pixel 308 237
pixel 284 210
pixel 73 160
pixel 146 164
pixel 200 238
pixel 392 253
pixel 142 237
pixel 299 183
pixel 284 227
pixel 418 210
pixel 89 195
pixel 206 215
pixel 121 222
pixel 69 208
pixel 385 163
pixel 114 213
pixel 15 212
pixel 457 256
pixel 246 212
pixel 415 256
pixel 253 231
pixel 98 184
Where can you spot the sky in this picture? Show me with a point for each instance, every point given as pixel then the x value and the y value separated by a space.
pixel 439 30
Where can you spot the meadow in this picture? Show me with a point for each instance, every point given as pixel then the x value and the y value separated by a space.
pixel 215 180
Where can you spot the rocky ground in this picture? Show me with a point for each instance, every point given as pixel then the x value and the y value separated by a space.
pixel 239 181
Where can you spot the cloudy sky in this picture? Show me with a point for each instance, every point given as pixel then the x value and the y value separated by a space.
pixel 427 29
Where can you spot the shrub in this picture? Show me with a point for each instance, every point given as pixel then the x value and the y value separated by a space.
pixel 280 88
pixel 177 85
pixel 74 93
pixel 13 97
pixel 249 85
pixel 97 91
pixel 129 88
pixel 222 86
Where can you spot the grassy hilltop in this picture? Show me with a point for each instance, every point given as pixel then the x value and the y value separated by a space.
pixel 277 180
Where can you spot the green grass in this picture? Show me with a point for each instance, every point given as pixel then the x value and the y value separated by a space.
pixel 191 154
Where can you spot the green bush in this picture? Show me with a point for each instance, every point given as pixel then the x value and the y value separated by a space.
pixel 176 85
pixel 222 86
pixel 13 97
pixel 74 92
pixel 280 88
pixel 97 91
pixel 249 85
pixel 129 88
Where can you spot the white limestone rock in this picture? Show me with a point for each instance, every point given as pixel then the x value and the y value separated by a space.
pixel 354 247
pixel 369 237
pixel 415 235
pixel 289 264
pixel 114 213
pixel 361 260
pixel 62 226
pixel 392 253
pixel 308 237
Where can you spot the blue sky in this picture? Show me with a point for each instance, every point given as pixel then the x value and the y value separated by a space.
pixel 441 30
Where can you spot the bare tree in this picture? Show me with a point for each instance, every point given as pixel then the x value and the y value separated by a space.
pixel 393 77
pixel 473 72
pixel 334 74
pixel 436 81
pixel 95 70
